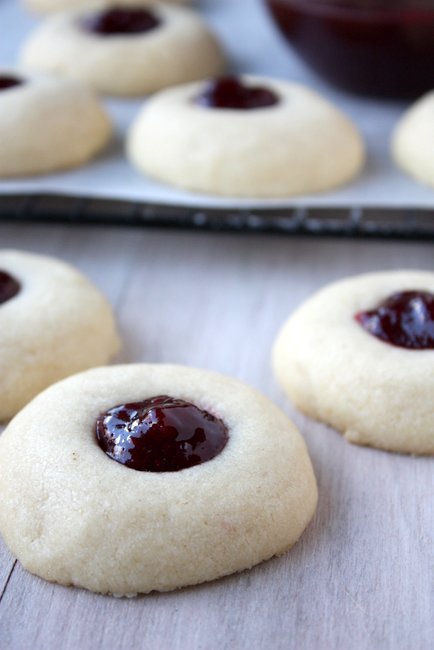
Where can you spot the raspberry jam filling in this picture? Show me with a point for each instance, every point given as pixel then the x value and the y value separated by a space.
pixel 230 92
pixel 114 22
pixel 363 46
pixel 9 287
pixel 405 320
pixel 8 81
pixel 160 434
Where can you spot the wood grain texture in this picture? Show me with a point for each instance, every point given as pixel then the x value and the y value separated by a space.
pixel 362 575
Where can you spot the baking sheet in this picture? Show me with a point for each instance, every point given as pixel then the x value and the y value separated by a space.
pixel 254 46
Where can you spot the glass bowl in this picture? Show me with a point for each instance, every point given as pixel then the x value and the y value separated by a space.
pixel 382 48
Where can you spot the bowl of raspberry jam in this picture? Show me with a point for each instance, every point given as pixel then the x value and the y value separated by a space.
pixel 377 48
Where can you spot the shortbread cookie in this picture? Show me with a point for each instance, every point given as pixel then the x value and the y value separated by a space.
pixel 47 124
pixel 137 478
pixel 53 323
pixel 413 148
pixel 359 356
pixel 125 50
pixel 250 137
pixel 60 5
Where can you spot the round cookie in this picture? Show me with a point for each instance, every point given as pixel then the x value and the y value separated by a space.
pixel 73 515
pixel 39 129
pixel 127 51
pixel 297 144
pixel 412 144
pixel 44 6
pixel 53 323
pixel 359 355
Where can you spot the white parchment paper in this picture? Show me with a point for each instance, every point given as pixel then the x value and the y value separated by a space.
pixel 253 45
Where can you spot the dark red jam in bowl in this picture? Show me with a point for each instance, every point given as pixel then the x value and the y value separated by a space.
pixel 9 287
pixel 382 48
pixel 115 22
pixel 232 93
pixel 405 320
pixel 9 81
pixel 161 434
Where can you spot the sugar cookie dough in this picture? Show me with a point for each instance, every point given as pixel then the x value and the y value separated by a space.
pixel 301 144
pixel 413 141
pixel 53 323
pixel 73 515
pixel 333 369
pixel 47 124
pixel 59 5
pixel 174 47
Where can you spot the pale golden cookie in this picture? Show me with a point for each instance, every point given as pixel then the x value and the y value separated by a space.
pixel 48 124
pixel 53 323
pixel 73 515
pixel 335 370
pixel 44 6
pixel 301 144
pixel 176 47
pixel 413 141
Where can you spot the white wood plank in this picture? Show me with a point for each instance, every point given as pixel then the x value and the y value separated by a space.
pixel 361 577
pixel 6 565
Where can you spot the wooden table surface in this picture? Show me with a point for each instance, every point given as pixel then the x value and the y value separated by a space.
pixel 362 574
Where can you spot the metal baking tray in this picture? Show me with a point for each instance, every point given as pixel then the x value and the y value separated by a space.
pixel 356 222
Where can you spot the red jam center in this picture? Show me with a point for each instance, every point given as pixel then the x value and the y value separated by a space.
pixel 404 319
pixel 114 22
pixel 161 434
pixel 8 81
pixel 9 287
pixel 230 92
